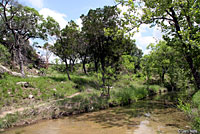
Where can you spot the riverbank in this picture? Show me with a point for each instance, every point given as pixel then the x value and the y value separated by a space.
pixel 48 97
pixel 149 115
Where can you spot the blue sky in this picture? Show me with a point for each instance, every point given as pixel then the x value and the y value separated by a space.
pixel 65 10
pixel 71 8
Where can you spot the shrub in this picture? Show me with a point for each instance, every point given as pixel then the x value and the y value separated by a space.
pixel 8 121
pixel 125 96
pixel 4 54
pixel 196 99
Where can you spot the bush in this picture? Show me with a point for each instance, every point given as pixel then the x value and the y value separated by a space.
pixel 85 102
pixel 8 121
pixel 129 94
pixel 4 54
pixel 189 110
pixel 196 99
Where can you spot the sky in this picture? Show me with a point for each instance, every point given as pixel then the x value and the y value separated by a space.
pixel 65 10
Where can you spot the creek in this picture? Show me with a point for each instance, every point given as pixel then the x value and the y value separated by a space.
pixel 158 115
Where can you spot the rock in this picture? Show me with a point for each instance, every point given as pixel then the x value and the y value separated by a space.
pixel 147 115
pixel 23 84
pixel 16 74
pixel 32 76
pixel 91 108
pixel 30 96
pixel 89 90
pixel 187 126
pixel 54 89
pixel 4 69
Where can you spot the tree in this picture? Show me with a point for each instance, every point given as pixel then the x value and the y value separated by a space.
pixel 164 60
pixel 97 27
pixel 179 19
pixel 83 49
pixel 66 45
pixel 51 30
pixel 95 24
pixel 160 55
pixel 48 54
pixel 23 23
pixel 107 42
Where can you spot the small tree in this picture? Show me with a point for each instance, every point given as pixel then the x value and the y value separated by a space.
pixel 48 53
pixel 66 45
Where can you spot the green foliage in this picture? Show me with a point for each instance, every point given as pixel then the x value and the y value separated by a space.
pixel 196 99
pixel 42 88
pixel 128 63
pixel 126 95
pixel 60 67
pixel 86 102
pixel 196 123
pixel 4 54
pixel 178 20
pixel 186 107
pixel 156 88
pixel 30 66
pixel 191 110
pixel 107 43
pixel 8 121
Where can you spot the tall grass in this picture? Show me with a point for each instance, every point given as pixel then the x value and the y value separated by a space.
pixel 42 88
pixel 126 95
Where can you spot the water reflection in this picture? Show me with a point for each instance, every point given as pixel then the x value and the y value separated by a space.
pixel 152 116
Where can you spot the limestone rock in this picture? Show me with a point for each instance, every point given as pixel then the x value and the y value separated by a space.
pixel 30 96
pixel 23 84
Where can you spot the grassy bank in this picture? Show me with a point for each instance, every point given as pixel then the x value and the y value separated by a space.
pixel 47 97
pixel 190 104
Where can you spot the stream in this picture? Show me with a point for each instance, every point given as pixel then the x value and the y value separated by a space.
pixel 151 116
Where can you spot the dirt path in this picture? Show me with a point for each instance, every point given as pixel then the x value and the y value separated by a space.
pixel 19 110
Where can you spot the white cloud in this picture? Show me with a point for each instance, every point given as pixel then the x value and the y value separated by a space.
pixel 36 3
pixel 52 58
pixel 147 51
pixel 59 17
pixel 157 34
pixel 142 41
pixel 146 35
pixel 79 22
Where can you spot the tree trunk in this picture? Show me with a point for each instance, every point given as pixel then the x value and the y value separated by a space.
pixel 188 57
pixel 47 63
pixel 21 63
pixel 66 65
pixel 103 71
pixel 12 59
pixel 162 78
pixel 84 69
pixel 194 71
pixel 72 66
pixel 108 90
pixel 96 61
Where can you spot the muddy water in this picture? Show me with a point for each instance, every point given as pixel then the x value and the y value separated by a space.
pixel 157 116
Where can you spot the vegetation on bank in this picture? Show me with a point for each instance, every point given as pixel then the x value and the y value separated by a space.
pixel 56 86
pixel 111 67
